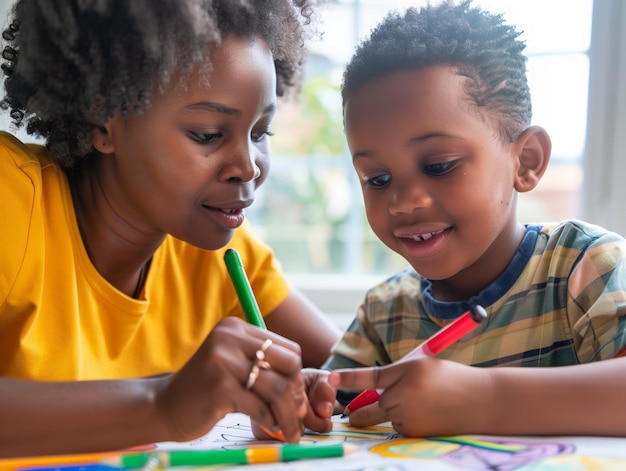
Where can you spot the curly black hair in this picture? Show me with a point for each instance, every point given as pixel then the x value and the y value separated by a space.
pixel 479 44
pixel 69 65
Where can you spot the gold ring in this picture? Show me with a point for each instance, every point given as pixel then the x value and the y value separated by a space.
pixel 252 377
pixel 265 345
pixel 261 362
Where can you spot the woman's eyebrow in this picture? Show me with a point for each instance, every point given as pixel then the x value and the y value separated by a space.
pixel 221 108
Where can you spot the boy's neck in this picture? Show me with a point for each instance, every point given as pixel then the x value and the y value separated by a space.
pixel 482 273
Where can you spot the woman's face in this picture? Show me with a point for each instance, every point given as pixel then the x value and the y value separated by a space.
pixel 190 164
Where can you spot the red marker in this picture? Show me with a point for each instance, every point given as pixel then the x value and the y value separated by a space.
pixel 430 347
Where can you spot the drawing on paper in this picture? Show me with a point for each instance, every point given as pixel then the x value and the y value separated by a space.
pixel 477 454
pixel 237 433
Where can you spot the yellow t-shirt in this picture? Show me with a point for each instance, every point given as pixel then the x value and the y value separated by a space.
pixel 60 319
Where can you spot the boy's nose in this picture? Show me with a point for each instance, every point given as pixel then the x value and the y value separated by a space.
pixel 409 197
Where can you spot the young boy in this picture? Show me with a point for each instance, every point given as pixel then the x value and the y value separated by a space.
pixel 438 120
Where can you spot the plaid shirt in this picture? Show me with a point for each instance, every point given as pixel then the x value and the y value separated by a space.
pixel 561 301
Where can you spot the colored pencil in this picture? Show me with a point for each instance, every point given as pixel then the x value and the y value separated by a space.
pixel 249 305
pixel 252 455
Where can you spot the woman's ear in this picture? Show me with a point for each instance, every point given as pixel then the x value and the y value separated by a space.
pixel 101 139
pixel 533 150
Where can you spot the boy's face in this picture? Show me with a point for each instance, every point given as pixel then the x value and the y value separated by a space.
pixel 190 164
pixel 437 181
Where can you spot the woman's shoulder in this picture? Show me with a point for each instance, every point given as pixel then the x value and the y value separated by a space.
pixel 19 153
pixel 23 162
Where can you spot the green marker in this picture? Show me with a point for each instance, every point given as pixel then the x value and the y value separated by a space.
pixel 252 455
pixel 234 265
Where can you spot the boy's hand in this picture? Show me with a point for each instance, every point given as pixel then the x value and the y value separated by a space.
pixel 423 397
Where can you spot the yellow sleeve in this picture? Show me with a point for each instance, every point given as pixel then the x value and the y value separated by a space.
pixel 20 181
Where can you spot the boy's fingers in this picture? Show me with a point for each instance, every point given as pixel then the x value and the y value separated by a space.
pixel 360 378
pixel 368 415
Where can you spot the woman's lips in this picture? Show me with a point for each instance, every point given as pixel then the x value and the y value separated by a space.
pixel 229 218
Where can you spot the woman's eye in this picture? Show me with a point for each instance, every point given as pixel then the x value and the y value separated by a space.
pixel 259 136
pixel 379 181
pixel 439 169
pixel 204 138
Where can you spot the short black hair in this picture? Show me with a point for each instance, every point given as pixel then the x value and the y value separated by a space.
pixel 479 44
pixel 61 55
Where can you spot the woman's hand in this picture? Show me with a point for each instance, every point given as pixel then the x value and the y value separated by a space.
pixel 221 378
pixel 320 404
pixel 321 401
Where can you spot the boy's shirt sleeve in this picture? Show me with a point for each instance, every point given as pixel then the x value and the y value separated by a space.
pixel 597 299
pixel 358 348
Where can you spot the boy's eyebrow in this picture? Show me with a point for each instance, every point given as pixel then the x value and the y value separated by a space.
pixel 220 108
pixel 413 140
pixel 432 135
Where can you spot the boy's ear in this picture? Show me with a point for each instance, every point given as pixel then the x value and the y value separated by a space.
pixel 101 139
pixel 533 150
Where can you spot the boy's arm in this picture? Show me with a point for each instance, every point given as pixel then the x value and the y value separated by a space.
pixel 433 397
pixel 572 400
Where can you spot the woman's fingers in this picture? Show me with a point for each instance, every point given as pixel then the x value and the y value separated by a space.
pixel 239 368
pixel 321 399
pixel 276 420
pixel 286 400
pixel 274 376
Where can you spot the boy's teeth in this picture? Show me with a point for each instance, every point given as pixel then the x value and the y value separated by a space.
pixel 423 237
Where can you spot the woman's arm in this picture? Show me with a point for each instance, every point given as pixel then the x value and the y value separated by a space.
pixel 298 319
pixel 84 416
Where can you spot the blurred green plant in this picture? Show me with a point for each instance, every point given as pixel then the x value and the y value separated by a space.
pixel 309 211
pixel 312 123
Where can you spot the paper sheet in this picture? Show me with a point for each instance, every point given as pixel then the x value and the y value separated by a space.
pixel 380 448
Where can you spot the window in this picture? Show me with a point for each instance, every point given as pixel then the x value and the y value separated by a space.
pixel 310 210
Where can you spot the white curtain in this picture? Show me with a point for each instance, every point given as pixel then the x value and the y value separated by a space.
pixel 604 188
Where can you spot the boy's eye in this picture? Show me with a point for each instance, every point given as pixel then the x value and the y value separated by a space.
pixel 259 136
pixel 204 138
pixel 379 181
pixel 440 168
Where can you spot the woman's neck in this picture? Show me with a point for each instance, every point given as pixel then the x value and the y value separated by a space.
pixel 118 250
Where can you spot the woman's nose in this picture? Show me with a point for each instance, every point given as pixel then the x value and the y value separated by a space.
pixel 241 166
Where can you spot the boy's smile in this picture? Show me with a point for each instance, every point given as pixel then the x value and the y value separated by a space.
pixel 438 181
